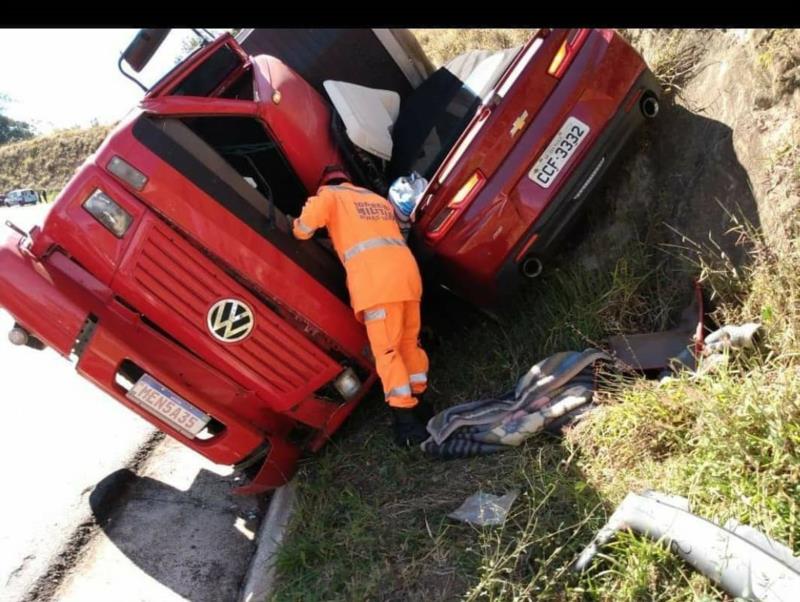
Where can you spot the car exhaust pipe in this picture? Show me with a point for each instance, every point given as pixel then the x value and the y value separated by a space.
pixel 531 266
pixel 649 106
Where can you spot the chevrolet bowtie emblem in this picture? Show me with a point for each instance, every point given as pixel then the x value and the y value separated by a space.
pixel 519 123
pixel 230 320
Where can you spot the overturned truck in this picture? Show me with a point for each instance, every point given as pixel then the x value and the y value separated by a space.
pixel 166 268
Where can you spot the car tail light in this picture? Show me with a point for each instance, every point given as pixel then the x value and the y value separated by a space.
pixel 569 48
pixel 461 199
pixel 468 190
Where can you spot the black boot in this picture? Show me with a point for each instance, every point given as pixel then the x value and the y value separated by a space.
pixel 423 410
pixel 409 431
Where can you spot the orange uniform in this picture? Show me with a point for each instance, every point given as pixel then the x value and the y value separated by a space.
pixel 383 280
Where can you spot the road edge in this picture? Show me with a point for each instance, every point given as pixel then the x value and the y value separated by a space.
pixel 260 578
pixel 46 585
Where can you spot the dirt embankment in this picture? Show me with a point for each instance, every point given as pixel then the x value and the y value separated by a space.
pixel 47 162
pixel 726 143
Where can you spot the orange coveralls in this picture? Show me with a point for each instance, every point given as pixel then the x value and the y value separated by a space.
pixel 383 280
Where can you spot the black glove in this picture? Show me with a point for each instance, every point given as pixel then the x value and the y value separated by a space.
pixel 409 431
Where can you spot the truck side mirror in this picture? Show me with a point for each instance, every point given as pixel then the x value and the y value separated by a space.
pixel 143 47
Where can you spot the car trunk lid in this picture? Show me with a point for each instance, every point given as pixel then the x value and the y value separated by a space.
pixel 495 129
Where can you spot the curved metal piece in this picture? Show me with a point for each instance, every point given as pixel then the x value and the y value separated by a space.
pixel 278 468
pixel 744 561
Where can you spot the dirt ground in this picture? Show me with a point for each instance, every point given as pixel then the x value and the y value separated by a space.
pixel 726 140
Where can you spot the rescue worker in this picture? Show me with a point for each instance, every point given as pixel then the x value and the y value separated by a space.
pixel 385 291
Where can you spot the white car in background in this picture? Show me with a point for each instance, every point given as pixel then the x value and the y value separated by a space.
pixel 19 197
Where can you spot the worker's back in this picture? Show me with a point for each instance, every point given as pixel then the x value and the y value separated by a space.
pixel 362 226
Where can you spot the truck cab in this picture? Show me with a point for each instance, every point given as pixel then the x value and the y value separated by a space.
pixel 167 271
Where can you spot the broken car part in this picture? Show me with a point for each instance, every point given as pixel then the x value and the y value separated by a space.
pixel 654 350
pixel 744 561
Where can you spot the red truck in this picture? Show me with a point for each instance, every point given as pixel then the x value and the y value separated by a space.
pixel 167 271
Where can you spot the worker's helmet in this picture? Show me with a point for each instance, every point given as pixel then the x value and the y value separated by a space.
pixel 333 174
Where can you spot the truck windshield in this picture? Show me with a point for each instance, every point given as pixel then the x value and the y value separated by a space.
pixel 429 123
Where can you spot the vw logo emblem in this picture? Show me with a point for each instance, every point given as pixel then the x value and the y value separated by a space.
pixel 230 320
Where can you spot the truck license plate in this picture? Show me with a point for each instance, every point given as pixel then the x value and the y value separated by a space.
pixel 173 409
pixel 558 152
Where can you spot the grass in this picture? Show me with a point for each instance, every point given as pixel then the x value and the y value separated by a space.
pixel 47 162
pixel 675 61
pixel 372 521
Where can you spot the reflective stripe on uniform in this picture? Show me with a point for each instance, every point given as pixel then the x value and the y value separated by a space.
pixel 371 244
pixel 374 314
pixel 418 377
pixel 302 227
pixel 401 391
pixel 349 189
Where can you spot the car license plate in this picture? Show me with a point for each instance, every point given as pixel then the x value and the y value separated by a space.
pixel 173 409
pixel 558 152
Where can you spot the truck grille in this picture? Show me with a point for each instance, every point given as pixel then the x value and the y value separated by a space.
pixel 186 283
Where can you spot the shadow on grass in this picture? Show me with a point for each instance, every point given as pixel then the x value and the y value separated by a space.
pixel 681 184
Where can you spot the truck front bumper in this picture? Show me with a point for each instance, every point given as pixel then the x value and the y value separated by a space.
pixel 72 312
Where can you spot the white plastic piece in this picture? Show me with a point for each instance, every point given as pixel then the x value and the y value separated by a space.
pixel 484 509
pixel 480 70
pixel 745 562
pixel 368 115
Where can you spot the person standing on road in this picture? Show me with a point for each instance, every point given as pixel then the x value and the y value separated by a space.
pixel 385 292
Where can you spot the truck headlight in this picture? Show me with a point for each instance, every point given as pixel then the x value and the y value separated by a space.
pixel 347 383
pixel 109 213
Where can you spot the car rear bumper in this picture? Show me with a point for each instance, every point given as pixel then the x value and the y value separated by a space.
pixel 554 223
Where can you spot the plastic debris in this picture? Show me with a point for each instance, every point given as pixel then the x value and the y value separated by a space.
pixel 484 509
pixel 655 350
pixel 405 194
pixel 714 351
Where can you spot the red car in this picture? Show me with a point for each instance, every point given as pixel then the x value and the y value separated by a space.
pixel 166 267
pixel 515 168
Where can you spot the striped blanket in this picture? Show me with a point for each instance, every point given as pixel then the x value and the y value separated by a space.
pixel 551 393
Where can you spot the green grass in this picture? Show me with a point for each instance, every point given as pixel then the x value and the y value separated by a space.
pixel 48 162
pixel 372 520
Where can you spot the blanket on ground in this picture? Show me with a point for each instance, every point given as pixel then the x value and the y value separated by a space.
pixel 553 391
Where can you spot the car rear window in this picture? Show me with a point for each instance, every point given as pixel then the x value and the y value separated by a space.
pixel 429 123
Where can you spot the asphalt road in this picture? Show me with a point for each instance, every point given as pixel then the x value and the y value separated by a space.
pixel 173 533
